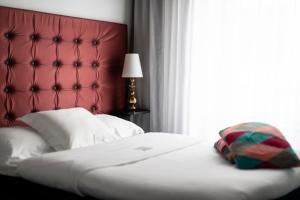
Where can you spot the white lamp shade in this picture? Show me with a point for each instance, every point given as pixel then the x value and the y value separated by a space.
pixel 132 66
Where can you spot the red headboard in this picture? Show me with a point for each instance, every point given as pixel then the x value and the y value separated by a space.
pixel 50 62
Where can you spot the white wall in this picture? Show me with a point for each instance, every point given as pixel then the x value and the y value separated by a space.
pixel 106 10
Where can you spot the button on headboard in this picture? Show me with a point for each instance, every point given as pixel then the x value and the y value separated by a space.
pixel 51 62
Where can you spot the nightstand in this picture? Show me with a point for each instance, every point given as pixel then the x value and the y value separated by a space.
pixel 140 117
pixel 130 115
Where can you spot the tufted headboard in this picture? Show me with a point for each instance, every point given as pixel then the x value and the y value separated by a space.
pixel 51 62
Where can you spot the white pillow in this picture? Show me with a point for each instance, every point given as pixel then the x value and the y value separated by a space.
pixel 17 144
pixel 122 128
pixel 69 128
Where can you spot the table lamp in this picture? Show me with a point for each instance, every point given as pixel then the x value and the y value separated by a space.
pixel 132 69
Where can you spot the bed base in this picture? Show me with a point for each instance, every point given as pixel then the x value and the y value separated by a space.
pixel 13 188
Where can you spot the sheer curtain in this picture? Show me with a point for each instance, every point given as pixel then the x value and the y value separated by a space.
pixel 162 38
pixel 245 65
pixel 209 64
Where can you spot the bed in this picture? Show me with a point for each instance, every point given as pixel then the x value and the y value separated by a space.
pixel 154 166
pixel 52 62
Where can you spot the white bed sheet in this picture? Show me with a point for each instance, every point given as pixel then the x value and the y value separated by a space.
pixel 156 166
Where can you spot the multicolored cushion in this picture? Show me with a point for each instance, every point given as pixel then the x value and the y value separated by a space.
pixel 223 149
pixel 259 145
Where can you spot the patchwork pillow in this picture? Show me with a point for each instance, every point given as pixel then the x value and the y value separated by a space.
pixel 224 151
pixel 259 145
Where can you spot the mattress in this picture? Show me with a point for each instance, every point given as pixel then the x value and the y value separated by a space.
pixel 156 166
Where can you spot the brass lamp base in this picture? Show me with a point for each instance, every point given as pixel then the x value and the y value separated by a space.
pixel 131 98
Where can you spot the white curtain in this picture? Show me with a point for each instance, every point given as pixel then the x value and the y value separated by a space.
pixel 209 64
pixel 161 37
pixel 245 65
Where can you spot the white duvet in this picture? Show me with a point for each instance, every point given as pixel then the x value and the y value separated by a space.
pixel 156 166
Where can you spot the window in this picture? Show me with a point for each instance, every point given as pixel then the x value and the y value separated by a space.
pixel 245 65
